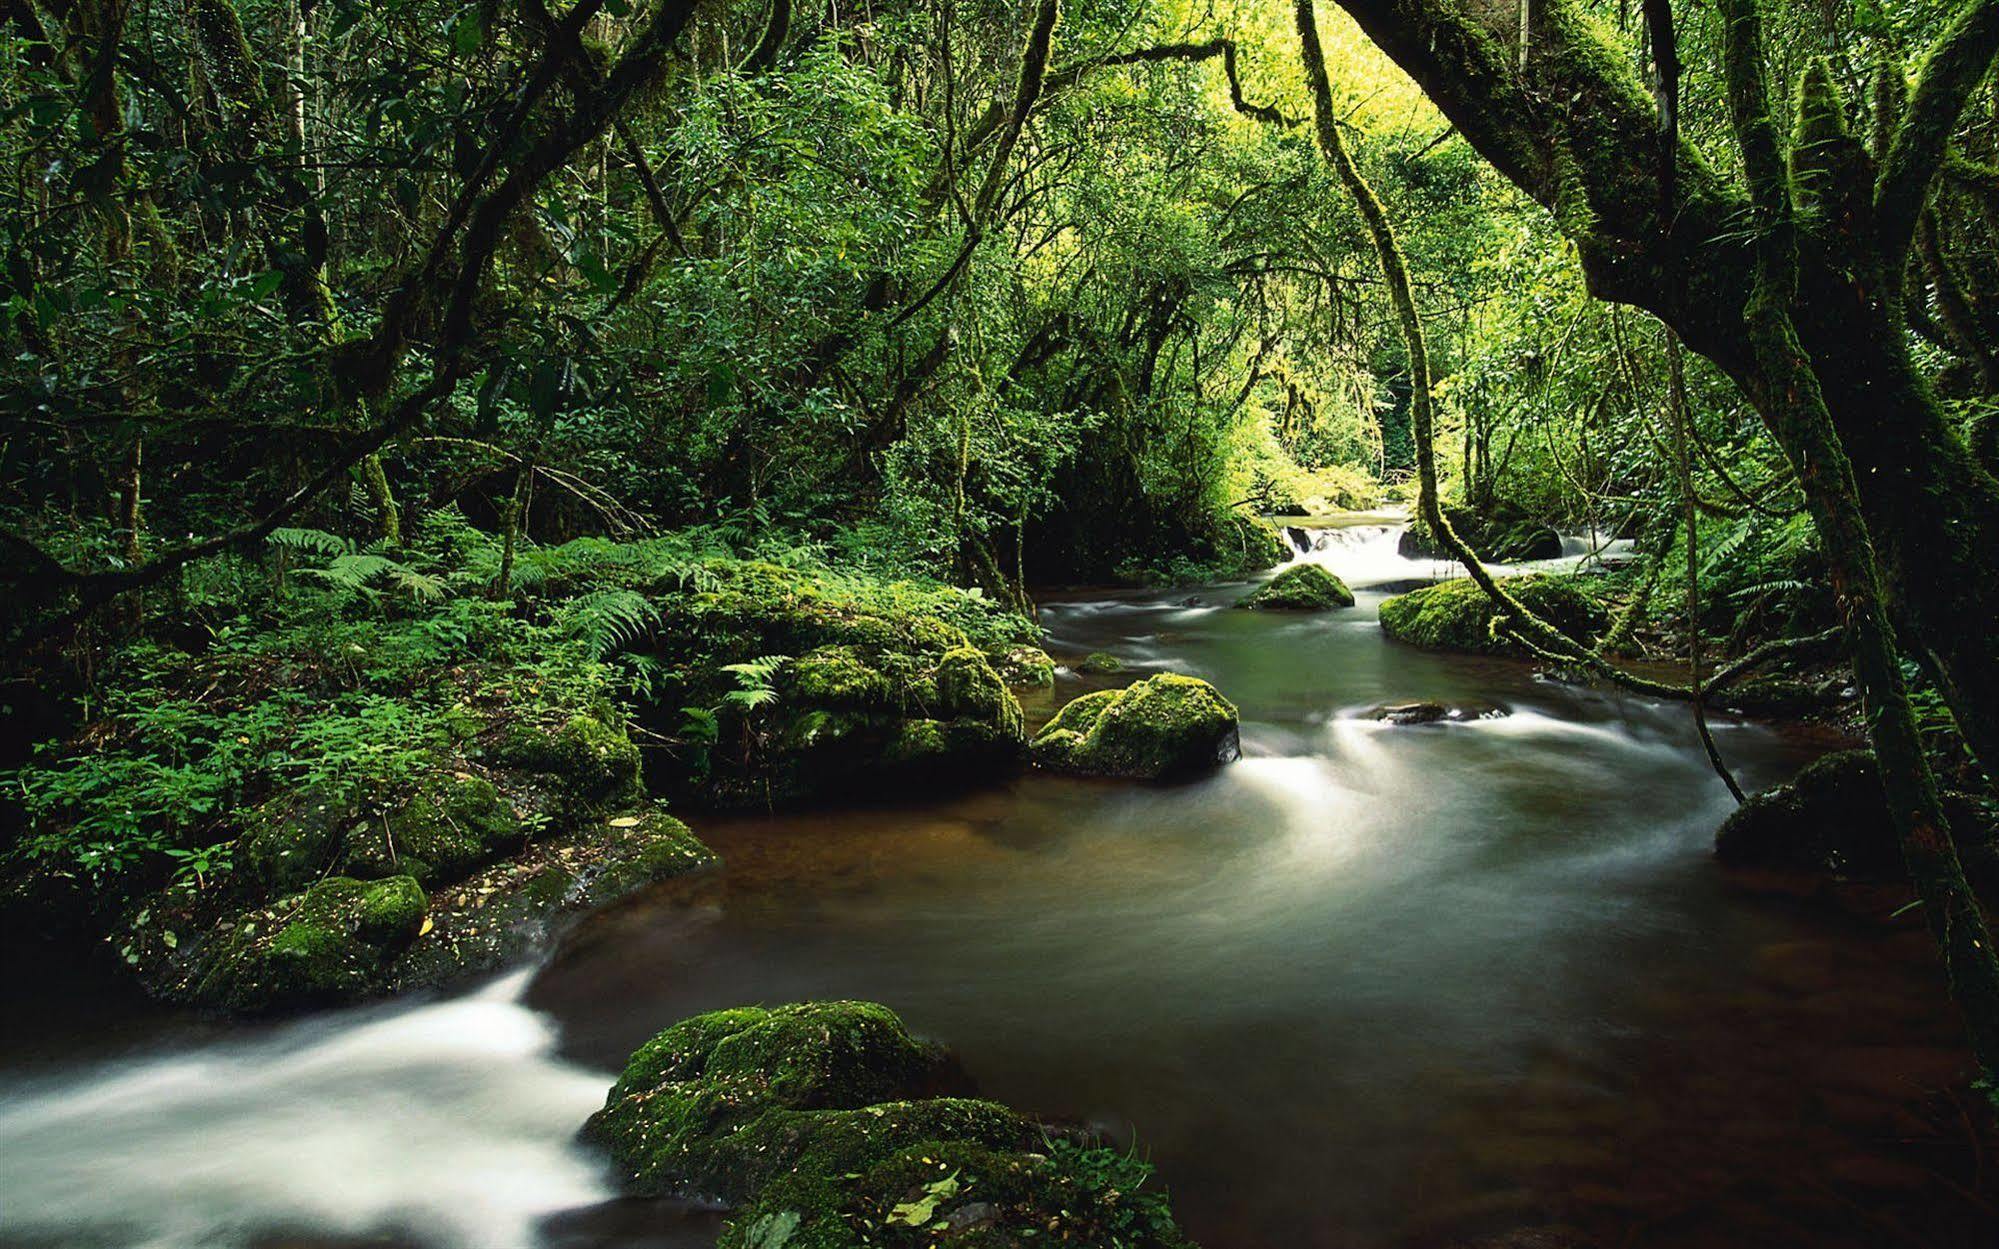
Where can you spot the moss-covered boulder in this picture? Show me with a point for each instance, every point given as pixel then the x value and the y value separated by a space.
pixel 1023 667
pixel 1459 616
pixel 594 766
pixel 509 909
pixel 288 840
pixel 837 677
pixel 1304 587
pixel 434 836
pixel 851 682
pixel 1505 534
pixel 827 1125
pixel 1833 816
pixel 1162 727
pixel 1100 663
pixel 332 942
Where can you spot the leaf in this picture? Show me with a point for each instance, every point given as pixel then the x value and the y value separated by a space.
pixel 468 32
pixel 914 1213
pixel 772 1231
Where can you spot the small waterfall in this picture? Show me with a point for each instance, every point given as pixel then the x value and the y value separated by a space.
pixel 452 1121
pixel 1366 555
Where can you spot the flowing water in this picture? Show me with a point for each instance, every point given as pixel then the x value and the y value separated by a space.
pixel 1370 986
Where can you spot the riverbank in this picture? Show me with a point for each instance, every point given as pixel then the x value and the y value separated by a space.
pixel 1374 985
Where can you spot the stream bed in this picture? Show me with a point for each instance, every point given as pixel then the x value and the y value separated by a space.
pixel 1371 986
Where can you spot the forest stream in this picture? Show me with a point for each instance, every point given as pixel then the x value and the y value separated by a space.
pixel 1372 985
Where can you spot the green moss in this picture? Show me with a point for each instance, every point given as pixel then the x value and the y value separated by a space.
pixel 332 942
pixel 817 1124
pixel 1164 726
pixel 1100 663
pixel 1832 817
pixel 673 1117
pixel 288 841
pixel 1023 666
pixel 1457 615
pixel 635 851
pixel 836 676
pixel 1505 534
pixel 595 766
pixel 505 912
pixel 435 837
pixel 968 688
pixel 1306 587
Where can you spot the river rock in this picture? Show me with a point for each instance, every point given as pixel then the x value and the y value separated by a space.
pixel 1833 817
pixel 1164 726
pixel 1100 663
pixel 1302 587
pixel 1433 713
pixel 330 943
pixel 809 1120
pixel 829 687
pixel 1505 535
pixel 1458 615
pixel 1025 667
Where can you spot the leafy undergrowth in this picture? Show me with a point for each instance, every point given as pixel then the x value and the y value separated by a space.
pixel 234 796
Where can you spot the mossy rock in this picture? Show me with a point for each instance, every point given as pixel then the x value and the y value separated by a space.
pixel 1023 667
pixel 1305 587
pixel 331 943
pixel 1833 816
pixel 1100 663
pixel 288 840
pixel 1458 615
pixel 673 1119
pixel 436 836
pixel 969 689
pixel 1260 543
pixel 837 677
pixel 827 1125
pixel 1506 535
pixel 1164 726
pixel 595 767
pixel 510 909
pixel 968 1175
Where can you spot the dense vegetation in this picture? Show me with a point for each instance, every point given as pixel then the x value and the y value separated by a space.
pixel 441 434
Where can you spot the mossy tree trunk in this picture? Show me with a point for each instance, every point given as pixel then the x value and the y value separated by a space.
pixel 1790 398
pixel 1666 236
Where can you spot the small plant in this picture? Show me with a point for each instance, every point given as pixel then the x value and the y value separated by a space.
pixel 202 864
pixel 755 682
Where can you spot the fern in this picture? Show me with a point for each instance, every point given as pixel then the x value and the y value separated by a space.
pixel 605 620
pixel 755 681
pixel 750 699
pixel 354 571
pixel 757 673
pixel 315 541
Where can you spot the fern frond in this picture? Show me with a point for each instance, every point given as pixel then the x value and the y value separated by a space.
pixel 317 541
pixel 604 620
pixel 757 673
